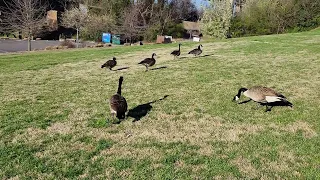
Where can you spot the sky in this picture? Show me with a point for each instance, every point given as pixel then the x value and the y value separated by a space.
pixel 198 2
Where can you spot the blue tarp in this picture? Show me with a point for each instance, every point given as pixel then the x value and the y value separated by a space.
pixel 106 37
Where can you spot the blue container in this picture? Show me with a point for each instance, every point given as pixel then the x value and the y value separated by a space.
pixel 106 37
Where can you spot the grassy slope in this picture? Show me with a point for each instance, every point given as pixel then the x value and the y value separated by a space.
pixel 53 112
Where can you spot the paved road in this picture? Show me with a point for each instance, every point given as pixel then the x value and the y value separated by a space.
pixel 10 45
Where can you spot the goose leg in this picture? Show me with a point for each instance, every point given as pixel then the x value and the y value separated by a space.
pixel 146 68
pixel 268 108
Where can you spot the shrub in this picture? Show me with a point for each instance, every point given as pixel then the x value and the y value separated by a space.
pixel 216 19
pixel 96 26
pixel 68 44
pixel 151 33
pixel 261 17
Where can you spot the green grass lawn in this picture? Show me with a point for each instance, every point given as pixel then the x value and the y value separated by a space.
pixel 55 120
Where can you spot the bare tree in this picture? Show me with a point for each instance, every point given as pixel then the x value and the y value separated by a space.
pixel 26 16
pixel 132 25
pixel 75 18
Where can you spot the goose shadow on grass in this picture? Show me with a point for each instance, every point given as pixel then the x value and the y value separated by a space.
pixel 120 69
pixel 185 57
pixel 142 110
pixel 271 105
pixel 162 67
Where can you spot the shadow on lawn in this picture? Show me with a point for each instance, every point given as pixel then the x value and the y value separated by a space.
pixel 162 67
pixel 142 110
pixel 120 69
pixel 185 57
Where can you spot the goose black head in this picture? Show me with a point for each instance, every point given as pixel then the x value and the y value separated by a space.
pixel 154 54
pixel 121 79
pixel 237 97
pixel 114 58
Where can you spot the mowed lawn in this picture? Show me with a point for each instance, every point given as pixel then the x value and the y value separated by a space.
pixel 55 120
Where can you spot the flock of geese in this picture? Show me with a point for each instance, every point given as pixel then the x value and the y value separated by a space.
pixel 148 62
pixel 263 96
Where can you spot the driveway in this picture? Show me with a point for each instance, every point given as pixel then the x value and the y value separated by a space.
pixel 12 45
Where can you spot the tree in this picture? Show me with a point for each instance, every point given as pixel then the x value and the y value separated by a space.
pixel 26 16
pixel 75 18
pixel 184 10
pixel 260 17
pixel 132 25
pixel 97 24
pixel 216 19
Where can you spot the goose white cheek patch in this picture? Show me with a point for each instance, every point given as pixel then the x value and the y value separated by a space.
pixel 237 98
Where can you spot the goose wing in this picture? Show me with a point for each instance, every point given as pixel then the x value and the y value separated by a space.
pixel 193 51
pixel 109 63
pixel 147 61
pixel 199 51
pixel 118 104
pixel 264 94
pixel 175 52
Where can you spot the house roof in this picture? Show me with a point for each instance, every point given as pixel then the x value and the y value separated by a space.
pixel 188 25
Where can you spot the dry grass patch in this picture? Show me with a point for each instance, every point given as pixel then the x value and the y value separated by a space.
pixel 246 168
pixel 294 127
pixel 308 131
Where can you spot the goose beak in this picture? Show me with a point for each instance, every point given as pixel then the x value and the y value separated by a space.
pixel 235 98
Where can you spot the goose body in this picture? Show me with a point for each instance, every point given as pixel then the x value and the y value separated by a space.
pixel 110 64
pixel 264 96
pixel 176 53
pixel 148 61
pixel 118 104
pixel 196 51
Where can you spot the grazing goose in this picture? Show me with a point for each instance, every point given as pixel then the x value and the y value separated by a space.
pixel 118 104
pixel 264 96
pixel 110 63
pixel 176 52
pixel 148 61
pixel 196 51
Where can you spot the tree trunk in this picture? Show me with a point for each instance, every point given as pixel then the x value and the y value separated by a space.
pixel 77 41
pixel 29 42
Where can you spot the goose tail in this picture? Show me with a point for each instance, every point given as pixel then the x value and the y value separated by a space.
pixel 281 102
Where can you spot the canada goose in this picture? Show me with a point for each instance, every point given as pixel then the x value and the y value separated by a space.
pixel 118 104
pixel 196 51
pixel 176 52
pixel 110 63
pixel 148 61
pixel 264 96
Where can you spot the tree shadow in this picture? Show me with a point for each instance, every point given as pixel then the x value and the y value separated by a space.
pixel 142 110
pixel 162 67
